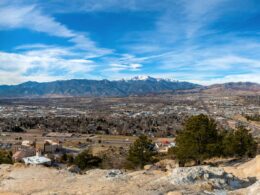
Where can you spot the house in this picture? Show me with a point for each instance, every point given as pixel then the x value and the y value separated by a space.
pixel 50 146
pixel 25 149
pixel 164 146
pixel 22 153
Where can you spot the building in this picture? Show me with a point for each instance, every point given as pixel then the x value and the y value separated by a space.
pixel 164 146
pixel 22 153
pixel 37 160
pixel 50 146
pixel 25 149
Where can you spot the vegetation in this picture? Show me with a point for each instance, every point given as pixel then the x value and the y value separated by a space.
pixel 141 152
pixel 86 160
pixel 200 140
pixel 5 157
pixel 255 117
pixel 97 124
pixel 67 158
pixel 17 129
pixel 113 158
pixel 239 143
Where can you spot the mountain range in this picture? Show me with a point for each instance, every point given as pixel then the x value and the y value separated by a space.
pixel 105 88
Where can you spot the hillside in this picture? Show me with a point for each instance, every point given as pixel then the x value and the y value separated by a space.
pixel 234 87
pixel 19 179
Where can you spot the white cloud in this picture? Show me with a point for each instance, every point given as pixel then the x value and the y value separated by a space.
pixel 46 63
pixel 253 77
pixel 121 67
pixel 32 46
pixel 31 17
pixel 84 43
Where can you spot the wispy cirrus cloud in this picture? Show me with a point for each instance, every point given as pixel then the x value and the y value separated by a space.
pixel 120 67
pixel 31 17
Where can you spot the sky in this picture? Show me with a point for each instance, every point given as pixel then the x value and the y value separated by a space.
pixel 200 41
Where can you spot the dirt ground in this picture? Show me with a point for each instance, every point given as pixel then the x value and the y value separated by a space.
pixel 37 180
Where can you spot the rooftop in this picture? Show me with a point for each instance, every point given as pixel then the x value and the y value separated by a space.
pixel 36 160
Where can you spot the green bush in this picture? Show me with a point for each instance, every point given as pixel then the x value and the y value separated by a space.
pixel 141 152
pixel 5 157
pixel 255 117
pixel 239 143
pixel 86 160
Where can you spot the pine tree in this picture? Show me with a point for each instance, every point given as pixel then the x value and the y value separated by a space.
pixel 141 151
pixel 198 140
pixel 239 143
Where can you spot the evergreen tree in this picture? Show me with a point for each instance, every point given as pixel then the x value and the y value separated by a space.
pixel 239 143
pixel 141 151
pixel 198 140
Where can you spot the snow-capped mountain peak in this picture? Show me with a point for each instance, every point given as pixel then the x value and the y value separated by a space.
pixel 145 78
pixel 141 78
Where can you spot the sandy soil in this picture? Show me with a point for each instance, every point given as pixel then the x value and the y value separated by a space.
pixel 247 169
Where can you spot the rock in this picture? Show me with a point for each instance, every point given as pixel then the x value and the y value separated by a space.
pixel 74 169
pixel 203 175
pixel 253 189
pixel 114 173
pixel 174 193
pixel 148 167
pixel 166 164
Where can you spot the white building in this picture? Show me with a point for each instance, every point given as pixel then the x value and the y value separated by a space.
pixel 37 160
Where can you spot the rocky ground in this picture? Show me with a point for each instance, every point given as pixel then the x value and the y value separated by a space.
pixel 239 179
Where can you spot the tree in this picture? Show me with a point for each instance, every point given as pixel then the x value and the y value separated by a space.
pixel 141 151
pixel 86 160
pixel 198 140
pixel 239 143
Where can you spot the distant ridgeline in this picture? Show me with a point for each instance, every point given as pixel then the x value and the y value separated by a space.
pixel 119 88
pixel 94 88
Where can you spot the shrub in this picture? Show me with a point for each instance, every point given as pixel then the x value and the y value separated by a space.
pixel 141 152
pixel 239 143
pixel 5 157
pixel 86 160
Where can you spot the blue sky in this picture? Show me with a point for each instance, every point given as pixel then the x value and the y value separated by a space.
pixel 202 41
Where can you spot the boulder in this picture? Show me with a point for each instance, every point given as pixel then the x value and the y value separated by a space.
pixel 114 173
pixel 148 167
pixel 166 164
pixel 204 175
